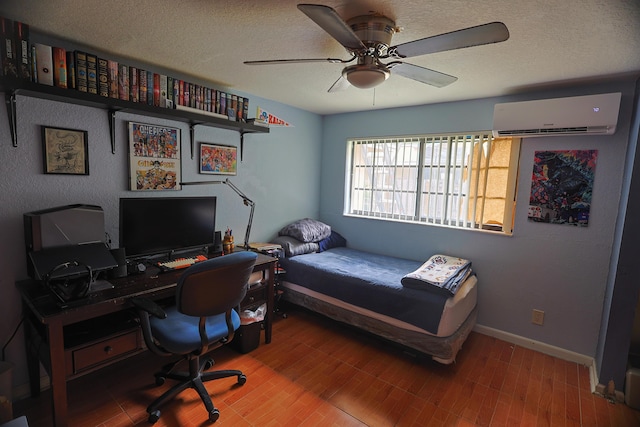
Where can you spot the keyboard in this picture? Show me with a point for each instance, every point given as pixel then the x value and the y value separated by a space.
pixel 177 263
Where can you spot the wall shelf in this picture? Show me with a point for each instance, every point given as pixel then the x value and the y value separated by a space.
pixel 14 87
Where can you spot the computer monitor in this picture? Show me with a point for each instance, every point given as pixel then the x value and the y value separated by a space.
pixel 158 225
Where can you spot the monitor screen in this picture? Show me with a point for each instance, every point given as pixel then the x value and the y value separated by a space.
pixel 155 225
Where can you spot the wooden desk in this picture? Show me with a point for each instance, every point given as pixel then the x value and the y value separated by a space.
pixel 102 329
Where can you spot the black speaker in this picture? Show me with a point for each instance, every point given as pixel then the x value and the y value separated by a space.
pixel 121 259
pixel 217 243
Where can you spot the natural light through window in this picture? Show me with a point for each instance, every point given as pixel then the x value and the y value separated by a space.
pixel 457 180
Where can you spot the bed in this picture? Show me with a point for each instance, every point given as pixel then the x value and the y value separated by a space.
pixel 366 290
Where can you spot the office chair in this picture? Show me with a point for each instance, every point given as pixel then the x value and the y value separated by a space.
pixel 203 318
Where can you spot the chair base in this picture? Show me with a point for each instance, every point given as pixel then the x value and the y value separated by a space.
pixel 194 379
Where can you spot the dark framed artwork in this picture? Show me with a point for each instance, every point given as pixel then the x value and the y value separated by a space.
pixel 561 187
pixel 65 151
pixel 218 159
pixel 154 157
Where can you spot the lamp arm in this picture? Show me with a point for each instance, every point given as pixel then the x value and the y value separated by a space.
pixel 247 201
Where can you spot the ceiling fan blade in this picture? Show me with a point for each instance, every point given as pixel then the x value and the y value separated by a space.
pixel 340 85
pixel 298 61
pixel 421 74
pixel 492 32
pixel 329 20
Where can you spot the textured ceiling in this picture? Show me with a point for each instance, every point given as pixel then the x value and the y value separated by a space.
pixel 551 42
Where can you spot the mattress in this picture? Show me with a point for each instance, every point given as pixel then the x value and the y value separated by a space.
pixel 369 284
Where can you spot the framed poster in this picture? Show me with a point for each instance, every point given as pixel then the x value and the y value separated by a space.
pixel 65 151
pixel 218 159
pixel 561 187
pixel 154 157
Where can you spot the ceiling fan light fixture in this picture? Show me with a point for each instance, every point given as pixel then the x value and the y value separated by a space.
pixel 365 77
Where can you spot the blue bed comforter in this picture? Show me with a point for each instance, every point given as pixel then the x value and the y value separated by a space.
pixel 369 281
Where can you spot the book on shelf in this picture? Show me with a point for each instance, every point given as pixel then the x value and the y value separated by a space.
pixel 112 78
pixel 185 95
pixel 142 85
pixel 162 91
pixel 81 71
pixel 180 92
pixel 176 91
pixel 192 96
pixel 134 90
pixel 223 103
pixel 240 109
pixel 8 48
pixel 150 87
pixel 23 51
pixel 71 70
pixel 170 99
pixel 245 112
pixel 59 56
pixel 123 82
pixel 44 59
pixel 198 111
pixel 217 106
pixel 103 77
pixel 92 73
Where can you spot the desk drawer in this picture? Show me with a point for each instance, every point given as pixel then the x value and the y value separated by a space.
pixel 104 351
pixel 255 296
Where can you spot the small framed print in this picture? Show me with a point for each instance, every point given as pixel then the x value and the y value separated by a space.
pixel 218 159
pixel 65 151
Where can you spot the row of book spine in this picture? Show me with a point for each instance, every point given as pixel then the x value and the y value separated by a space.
pixel 87 72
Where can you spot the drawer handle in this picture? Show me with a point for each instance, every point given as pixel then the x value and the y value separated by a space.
pixel 108 349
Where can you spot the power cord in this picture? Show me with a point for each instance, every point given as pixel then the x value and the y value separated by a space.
pixel 11 337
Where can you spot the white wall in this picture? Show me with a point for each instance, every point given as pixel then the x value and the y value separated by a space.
pixel 560 269
pixel 264 175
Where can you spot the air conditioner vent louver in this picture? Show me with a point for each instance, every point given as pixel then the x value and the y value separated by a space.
pixel 586 115
pixel 550 131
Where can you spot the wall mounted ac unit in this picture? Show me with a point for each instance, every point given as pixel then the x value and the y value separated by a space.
pixel 586 115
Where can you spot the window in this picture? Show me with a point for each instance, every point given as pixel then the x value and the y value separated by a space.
pixel 464 181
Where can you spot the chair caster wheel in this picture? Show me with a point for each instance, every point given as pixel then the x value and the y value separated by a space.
pixel 154 416
pixel 214 415
pixel 160 381
pixel 208 364
pixel 242 379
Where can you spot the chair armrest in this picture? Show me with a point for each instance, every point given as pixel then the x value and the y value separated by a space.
pixel 149 306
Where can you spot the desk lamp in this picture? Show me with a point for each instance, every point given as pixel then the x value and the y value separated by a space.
pixel 247 201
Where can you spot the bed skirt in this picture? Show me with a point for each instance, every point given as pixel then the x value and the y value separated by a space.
pixel 441 349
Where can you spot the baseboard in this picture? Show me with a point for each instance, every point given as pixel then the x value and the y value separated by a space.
pixel 551 350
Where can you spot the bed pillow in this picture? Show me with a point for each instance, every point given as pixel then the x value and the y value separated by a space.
pixel 335 240
pixel 293 246
pixel 306 230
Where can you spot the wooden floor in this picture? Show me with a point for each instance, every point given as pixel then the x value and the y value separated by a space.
pixel 318 373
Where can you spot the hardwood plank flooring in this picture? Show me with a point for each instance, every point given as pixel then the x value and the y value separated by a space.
pixel 320 373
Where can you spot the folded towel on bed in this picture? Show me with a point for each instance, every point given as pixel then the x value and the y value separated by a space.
pixel 441 273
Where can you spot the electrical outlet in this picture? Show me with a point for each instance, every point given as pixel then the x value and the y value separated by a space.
pixel 537 317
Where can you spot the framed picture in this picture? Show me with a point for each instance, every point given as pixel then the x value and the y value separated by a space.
pixel 218 159
pixel 65 151
pixel 154 157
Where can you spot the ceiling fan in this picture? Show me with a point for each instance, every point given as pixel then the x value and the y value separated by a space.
pixel 367 38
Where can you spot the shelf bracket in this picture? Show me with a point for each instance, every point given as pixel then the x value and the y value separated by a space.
pixel 10 100
pixel 241 143
pixel 192 133
pixel 112 129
